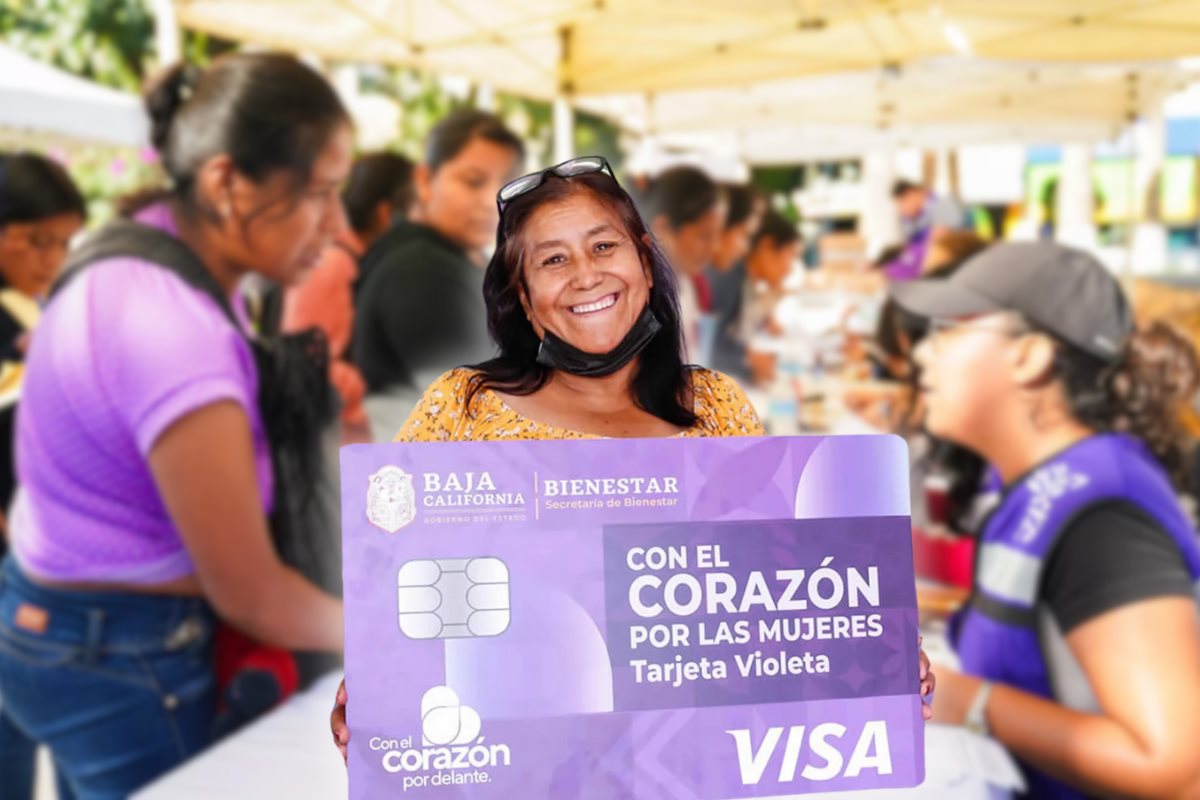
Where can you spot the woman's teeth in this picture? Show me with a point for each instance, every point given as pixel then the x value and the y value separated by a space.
pixel 599 305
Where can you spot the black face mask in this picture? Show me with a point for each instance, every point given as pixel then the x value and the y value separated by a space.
pixel 557 354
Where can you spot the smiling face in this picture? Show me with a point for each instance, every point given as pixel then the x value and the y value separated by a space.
pixel 583 277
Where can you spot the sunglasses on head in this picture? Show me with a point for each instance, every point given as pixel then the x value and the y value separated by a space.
pixel 525 184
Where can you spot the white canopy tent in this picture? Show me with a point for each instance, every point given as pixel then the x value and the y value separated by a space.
pixel 803 143
pixel 768 80
pixel 554 48
pixel 39 101
pixel 937 103
pixel 754 80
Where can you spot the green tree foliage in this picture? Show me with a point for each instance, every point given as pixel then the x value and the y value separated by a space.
pixel 108 41
pixel 424 100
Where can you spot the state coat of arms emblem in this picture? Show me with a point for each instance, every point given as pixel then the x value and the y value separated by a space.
pixel 391 501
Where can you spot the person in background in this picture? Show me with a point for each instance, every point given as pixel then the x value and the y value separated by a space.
pixel 892 404
pixel 380 190
pixel 727 276
pixel 744 207
pixel 1049 207
pixel 419 310
pixel 898 332
pixel 772 257
pixel 950 247
pixel 40 211
pixel 1080 645
pixel 686 211
pixel 923 216
pixel 144 462
pixel 583 308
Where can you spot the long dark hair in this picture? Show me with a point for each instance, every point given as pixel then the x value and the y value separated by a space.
pixel 1144 394
pixel 661 381
pixel 269 112
pixel 377 178
pixel 34 188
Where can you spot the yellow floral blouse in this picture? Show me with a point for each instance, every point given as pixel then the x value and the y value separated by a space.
pixel 441 416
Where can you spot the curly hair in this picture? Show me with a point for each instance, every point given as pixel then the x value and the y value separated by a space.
pixel 1142 395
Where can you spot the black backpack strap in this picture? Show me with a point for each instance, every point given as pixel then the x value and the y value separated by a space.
pixel 124 238
pixel 294 397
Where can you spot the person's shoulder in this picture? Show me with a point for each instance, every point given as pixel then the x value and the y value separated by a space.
pixel 411 247
pixel 387 243
pixel 413 273
pixel 703 378
pixel 1111 554
pixel 721 405
pixel 456 382
pixel 135 297
pixel 441 411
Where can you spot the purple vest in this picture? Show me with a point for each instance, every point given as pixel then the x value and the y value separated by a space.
pixel 998 635
pixel 907 265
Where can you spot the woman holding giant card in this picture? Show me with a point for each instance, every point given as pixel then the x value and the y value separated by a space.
pixel 584 309
pixel 1080 643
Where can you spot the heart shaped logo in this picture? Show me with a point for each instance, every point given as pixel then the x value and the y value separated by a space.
pixel 445 721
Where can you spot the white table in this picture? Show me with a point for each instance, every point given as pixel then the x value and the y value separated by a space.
pixel 287 754
pixel 290 753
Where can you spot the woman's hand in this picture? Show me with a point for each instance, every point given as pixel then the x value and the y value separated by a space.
pixel 928 681
pixel 337 722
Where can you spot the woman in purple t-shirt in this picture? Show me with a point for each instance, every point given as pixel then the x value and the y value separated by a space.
pixel 145 470
pixel 40 210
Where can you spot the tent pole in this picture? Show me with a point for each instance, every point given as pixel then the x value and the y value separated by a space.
pixel 878 224
pixel 1076 198
pixel 564 130
pixel 564 116
pixel 167 36
pixel 485 97
pixel 1149 247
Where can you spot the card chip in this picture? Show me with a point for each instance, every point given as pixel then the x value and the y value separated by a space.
pixel 453 598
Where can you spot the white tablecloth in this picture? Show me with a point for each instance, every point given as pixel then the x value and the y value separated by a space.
pixel 290 754
pixel 287 754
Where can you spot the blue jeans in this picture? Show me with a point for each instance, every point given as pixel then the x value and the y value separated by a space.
pixel 18 764
pixel 17 755
pixel 119 687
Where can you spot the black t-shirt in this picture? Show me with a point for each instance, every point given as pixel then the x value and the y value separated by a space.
pixel 729 354
pixel 11 330
pixel 1111 555
pixel 419 309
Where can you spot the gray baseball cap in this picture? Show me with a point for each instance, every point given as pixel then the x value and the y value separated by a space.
pixel 1061 290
